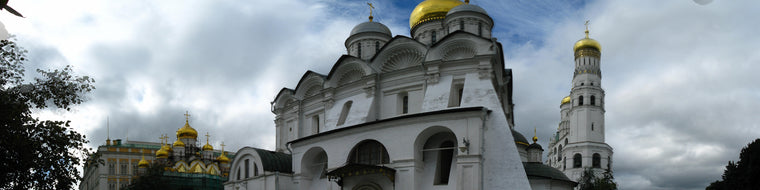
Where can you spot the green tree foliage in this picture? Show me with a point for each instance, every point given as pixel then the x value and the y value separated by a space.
pixel 34 153
pixel 590 181
pixel 152 178
pixel 744 174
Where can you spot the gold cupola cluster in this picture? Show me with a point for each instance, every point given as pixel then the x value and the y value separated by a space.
pixel 431 10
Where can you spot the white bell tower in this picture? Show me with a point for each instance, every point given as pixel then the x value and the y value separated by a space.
pixel 579 141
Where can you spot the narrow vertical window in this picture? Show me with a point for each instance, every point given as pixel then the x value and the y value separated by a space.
pixel 111 168
pixel 402 105
pixel 247 168
pixel 592 126
pixel 580 99
pixel 577 162
pixel 457 91
pixel 596 160
pixel 344 112
pixel 255 169
pixel 123 169
pixel 445 157
pixel 480 29
pixel 432 37
pixel 564 164
pixel 593 100
pixel 315 124
pixel 461 25
pixel 238 174
pixel 377 46
pixel 405 102
pixel 359 50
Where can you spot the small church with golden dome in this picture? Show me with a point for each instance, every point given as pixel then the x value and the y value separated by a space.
pixel 432 110
pixel 186 156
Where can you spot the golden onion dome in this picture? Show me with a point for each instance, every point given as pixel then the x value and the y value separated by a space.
pixel 187 132
pixel 565 100
pixel 430 10
pixel 167 148
pixel 208 147
pixel 587 43
pixel 223 159
pixel 143 163
pixel 178 143
pixel 161 153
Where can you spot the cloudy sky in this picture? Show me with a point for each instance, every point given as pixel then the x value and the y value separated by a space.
pixel 681 76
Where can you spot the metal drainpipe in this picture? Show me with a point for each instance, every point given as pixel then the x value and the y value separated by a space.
pixel 482 144
pixel 277 180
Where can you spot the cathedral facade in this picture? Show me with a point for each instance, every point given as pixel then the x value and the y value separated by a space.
pixel 430 111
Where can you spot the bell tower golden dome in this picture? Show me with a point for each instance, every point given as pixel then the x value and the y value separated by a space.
pixel 587 42
pixel 430 10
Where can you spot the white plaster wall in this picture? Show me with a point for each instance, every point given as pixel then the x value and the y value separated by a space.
pixel 358 113
pixel 437 94
pixel 500 156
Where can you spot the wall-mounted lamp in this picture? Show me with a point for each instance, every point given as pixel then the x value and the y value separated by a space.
pixel 466 146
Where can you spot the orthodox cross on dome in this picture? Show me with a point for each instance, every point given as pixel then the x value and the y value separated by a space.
pixel 222 146
pixel 207 137
pixel 370 11
pixel 587 21
pixel 163 138
pixel 187 115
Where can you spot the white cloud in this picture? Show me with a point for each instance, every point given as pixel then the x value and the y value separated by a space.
pixel 679 76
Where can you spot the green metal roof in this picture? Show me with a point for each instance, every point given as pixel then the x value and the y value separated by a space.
pixel 275 161
pixel 537 169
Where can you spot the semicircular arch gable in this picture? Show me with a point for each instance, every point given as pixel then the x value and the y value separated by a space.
pixel 310 84
pixel 400 55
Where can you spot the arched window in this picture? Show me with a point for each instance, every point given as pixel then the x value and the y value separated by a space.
pixel 580 100
pixel 370 153
pixel 596 160
pixel 255 169
pixel 344 112
pixel 238 174
pixel 564 164
pixel 432 37
pixel 377 46
pixel 461 25
pixel 577 161
pixel 559 153
pixel 403 103
pixel 593 100
pixel 247 168
pixel 445 157
pixel 565 141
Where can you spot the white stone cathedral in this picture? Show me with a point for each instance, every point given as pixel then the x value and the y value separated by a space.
pixel 430 111
pixel 579 143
